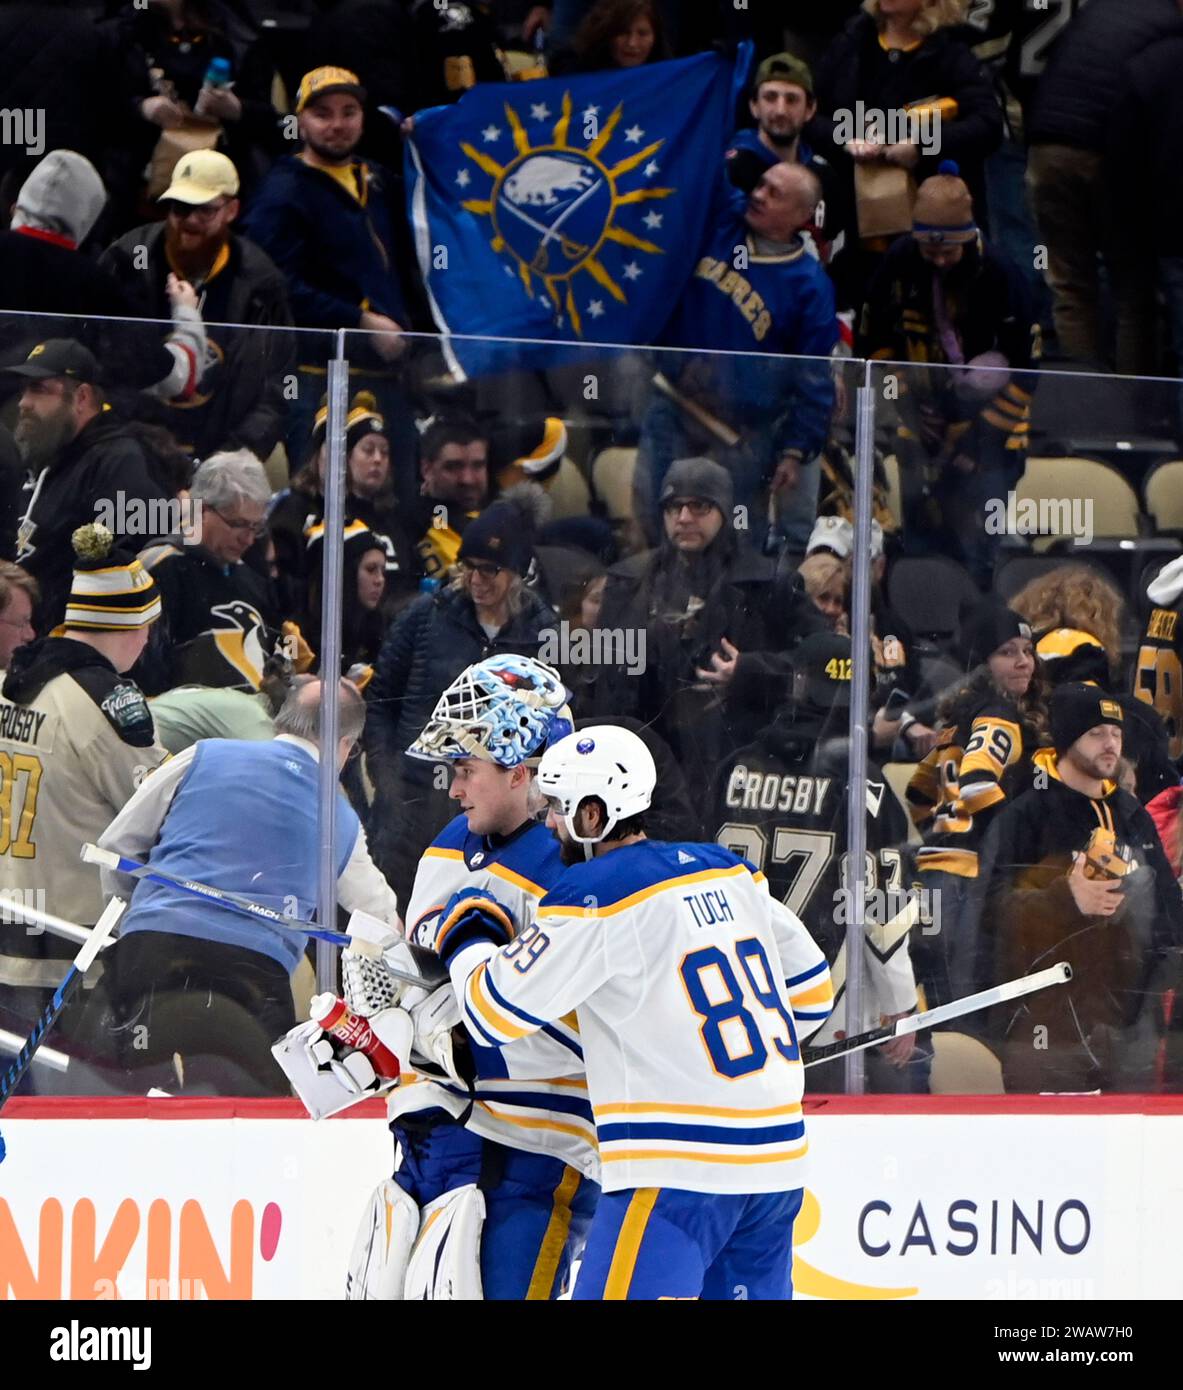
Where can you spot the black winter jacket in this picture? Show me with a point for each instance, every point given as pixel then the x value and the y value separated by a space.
pixel 239 401
pixel 104 464
pixel 1145 150
pixel 942 66
pixel 1084 77
pixel 430 642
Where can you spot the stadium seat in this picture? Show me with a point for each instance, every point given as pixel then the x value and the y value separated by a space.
pixel 1115 509
pixel 929 590
pixel 898 776
pixel 963 1066
pixel 1163 492
pixel 1012 574
pixel 569 492
pixel 612 482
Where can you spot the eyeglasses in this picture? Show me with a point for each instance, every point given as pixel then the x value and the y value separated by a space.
pixel 256 528
pixel 21 624
pixel 203 212
pixel 484 568
pixel 696 506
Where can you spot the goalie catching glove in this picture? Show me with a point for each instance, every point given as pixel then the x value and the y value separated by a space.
pixel 333 1067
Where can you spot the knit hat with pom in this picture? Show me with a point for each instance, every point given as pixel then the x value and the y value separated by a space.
pixel 944 210
pixel 107 594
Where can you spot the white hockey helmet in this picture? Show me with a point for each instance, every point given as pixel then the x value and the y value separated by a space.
pixel 604 761
pixel 503 710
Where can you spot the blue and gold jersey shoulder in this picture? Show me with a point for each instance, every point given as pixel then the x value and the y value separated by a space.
pixel 629 875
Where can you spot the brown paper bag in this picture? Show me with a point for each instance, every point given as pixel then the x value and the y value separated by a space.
pixel 884 195
pixel 172 145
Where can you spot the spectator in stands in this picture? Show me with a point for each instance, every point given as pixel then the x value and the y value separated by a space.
pixel 942 295
pixel 238 403
pixel 363 582
pixel 1076 617
pixel 1068 130
pixel 18 602
pixel 827 582
pixel 42 272
pixel 782 104
pixel 455 486
pixel 789 786
pixel 903 54
pixel 1074 871
pixel 487 610
pixel 86 464
pixel 336 229
pixel 990 728
pixel 220 619
pixel 709 615
pixel 370 499
pixel 614 34
pixel 774 415
pixel 210 982
pixel 77 739
pixel 166 49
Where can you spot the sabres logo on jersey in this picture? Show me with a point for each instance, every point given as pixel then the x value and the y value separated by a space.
pixel 554 207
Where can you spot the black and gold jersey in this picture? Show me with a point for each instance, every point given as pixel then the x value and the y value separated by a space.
pixel 976 766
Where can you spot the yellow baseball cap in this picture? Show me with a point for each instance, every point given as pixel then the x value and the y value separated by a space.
pixel 200 177
pixel 321 81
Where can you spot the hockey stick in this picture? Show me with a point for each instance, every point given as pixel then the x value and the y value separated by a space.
pixel 61 996
pixel 1013 989
pixel 70 931
pixel 109 859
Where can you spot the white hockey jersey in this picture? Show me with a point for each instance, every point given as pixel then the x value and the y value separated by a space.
pixel 533 1095
pixel 693 988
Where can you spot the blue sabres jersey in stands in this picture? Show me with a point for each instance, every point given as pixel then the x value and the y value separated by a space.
pixel 533 1095
pixel 693 988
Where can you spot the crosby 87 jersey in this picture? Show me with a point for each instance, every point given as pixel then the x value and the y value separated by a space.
pixel 694 989
pixel 533 1095
pixel 786 813
pixel 1158 673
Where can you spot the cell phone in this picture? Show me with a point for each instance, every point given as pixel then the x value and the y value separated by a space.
pixel 896 703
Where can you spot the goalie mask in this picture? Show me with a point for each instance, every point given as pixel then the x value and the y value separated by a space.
pixel 504 710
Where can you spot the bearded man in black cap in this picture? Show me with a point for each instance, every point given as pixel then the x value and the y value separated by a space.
pixel 1075 871
pixel 716 621
pixel 84 462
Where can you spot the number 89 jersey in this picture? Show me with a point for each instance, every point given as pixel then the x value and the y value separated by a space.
pixel 694 989
pixel 784 809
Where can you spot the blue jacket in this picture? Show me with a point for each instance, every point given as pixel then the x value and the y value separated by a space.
pixel 775 305
pixel 339 256
pixel 244 819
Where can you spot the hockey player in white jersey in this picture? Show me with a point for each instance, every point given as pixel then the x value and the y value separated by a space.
pixel 497 1163
pixel 693 989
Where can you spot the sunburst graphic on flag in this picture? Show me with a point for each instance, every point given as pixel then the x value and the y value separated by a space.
pixel 554 207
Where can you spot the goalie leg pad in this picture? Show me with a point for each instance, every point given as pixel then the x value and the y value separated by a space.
pixel 382 1246
pixel 446 1261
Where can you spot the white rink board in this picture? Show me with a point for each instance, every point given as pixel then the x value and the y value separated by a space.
pixel 267 1207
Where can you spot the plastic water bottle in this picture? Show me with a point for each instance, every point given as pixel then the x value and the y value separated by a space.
pixel 217 74
pixel 335 1017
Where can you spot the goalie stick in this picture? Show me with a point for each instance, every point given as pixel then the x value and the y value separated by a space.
pixel 61 997
pixel 1013 989
pixel 109 859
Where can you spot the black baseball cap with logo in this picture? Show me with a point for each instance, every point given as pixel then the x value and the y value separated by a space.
pixel 821 671
pixel 58 357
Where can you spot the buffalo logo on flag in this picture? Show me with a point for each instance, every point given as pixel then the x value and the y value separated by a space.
pixel 554 204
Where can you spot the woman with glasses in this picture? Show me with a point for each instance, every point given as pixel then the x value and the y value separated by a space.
pixel 486 609
pixel 18 599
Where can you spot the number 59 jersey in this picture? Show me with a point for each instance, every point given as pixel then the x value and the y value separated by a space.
pixel 693 988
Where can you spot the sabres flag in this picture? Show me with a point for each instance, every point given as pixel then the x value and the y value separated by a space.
pixel 569 208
